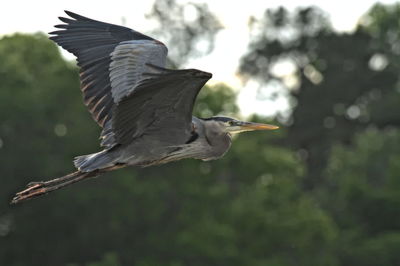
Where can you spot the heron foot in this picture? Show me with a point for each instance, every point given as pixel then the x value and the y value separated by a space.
pixel 34 183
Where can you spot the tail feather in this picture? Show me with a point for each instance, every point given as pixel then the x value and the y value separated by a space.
pixel 95 161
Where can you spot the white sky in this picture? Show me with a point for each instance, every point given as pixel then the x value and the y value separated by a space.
pixel 231 43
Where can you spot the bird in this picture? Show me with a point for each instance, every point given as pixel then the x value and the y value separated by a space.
pixel 143 108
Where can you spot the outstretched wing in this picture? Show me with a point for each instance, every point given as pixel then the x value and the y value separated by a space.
pixel 111 59
pixel 124 85
pixel 160 107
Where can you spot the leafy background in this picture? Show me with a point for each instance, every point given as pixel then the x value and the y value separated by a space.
pixel 323 190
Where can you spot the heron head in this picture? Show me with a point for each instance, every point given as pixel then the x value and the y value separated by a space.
pixel 231 125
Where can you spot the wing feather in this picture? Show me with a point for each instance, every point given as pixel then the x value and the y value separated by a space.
pixel 92 42
pixel 111 59
pixel 160 106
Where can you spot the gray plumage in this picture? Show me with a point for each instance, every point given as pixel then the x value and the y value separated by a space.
pixel 145 109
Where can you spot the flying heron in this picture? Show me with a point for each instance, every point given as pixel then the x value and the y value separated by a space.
pixel 144 109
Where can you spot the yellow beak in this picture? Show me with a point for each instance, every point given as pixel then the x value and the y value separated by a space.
pixel 257 126
pixel 240 126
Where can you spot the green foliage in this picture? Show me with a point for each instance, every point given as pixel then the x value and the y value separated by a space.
pixel 366 185
pixel 346 84
pixel 109 259
pixel 249 208
pixel 209 102
pixel 188 30
pixel 39 100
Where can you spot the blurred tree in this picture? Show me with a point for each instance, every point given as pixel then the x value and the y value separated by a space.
pixel 339 80
pixel 32 73
pixel 42 120
pixel 344 121
pixel 364 180
pixel 246 209
pixel 382 23
pixel 187 29
pixel 209 103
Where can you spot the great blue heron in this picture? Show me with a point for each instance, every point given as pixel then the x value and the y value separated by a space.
pixel 145 110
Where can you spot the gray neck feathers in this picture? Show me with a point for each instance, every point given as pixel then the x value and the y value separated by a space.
pixel 216 136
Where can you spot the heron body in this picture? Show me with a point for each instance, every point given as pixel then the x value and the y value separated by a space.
pixel 144 109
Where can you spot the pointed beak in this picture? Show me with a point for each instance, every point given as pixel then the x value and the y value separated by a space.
pixel 249 126
pixel 257 126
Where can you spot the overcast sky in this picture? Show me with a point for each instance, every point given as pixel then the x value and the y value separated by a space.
pixel 40 15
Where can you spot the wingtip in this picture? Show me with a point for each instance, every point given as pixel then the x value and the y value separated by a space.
pixel 55 32
pixel 14 201
pixel 65 20
pixel 208 74
pixel 77 16
pixel 69 13
pixel 202 74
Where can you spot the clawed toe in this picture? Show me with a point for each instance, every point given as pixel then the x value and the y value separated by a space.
pixel 30 188
pixel 31 184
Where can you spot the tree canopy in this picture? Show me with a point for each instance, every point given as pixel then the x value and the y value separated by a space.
pixel 323 190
